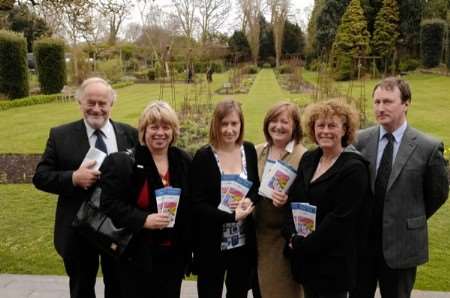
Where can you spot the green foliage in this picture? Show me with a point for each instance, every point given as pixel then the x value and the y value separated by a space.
pixel 112 69
pixel 151 74
pixel 21 19
pixel 352 40
pixel 283 69
pixel 13 65
pixel 122 84
pixel 193 133
pixel 436 9
pixel 293 39
pixel 386 32
pixel 410 18
pixel 51 64
pixel 266 44
pixel 432 38
pixel 327 23
pixel 409 64
pixel 28 101
pixel 238 43
pixel 250 69
pixel 448 51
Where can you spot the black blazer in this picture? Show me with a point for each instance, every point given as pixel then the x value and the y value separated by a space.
pixel 205 183
pixel 66 148
pixel 121 182
pixel 326 259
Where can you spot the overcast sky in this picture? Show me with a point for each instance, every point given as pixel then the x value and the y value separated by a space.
pixel 300 12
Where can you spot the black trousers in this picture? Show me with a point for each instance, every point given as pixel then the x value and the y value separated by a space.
pixel 393 283
pixel 234 266
pixel 82 269
pixel 311 293
pixel 162 281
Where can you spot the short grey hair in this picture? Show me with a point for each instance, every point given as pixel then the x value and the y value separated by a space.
pixel 80 91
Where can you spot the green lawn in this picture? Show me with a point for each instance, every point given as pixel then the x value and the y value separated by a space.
pixel 27 215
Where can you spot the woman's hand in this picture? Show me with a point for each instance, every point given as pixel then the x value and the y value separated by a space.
pixel 279 199
pixel 233 204
pixel 243 209
pixel 156 221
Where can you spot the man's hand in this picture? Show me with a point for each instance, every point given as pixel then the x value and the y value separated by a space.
pixel 85 177
pixel 156 221
pixel 279 199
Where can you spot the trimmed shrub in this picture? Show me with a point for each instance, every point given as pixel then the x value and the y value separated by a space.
pixel 28 101
pixel 432 37
pixel 448 51
pixel 250 69
pixel 13 65
pixel 283 69
pixel 409 64
pixel 51 65
pixel 111 68
pixel 151 74
pixel 122 84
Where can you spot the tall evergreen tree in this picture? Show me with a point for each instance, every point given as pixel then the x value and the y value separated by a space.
pixel 410 17
pixel 386 32
pixel 352 40
pixel 327 23
pixel 294 39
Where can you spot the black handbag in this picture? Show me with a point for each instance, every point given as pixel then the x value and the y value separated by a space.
pixel 98 228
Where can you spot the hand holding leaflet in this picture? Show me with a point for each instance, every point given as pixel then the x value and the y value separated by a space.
pixel 233 188
pixel 304 216
pixel 280 177
pixel 167 200
pixel 97 155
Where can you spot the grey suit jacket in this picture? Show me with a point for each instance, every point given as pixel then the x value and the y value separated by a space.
pixel 417 187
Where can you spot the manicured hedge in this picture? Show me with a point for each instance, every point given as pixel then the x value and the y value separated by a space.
pixel 28 101
pixel 51 65
pixel 432 37
pixel 13 65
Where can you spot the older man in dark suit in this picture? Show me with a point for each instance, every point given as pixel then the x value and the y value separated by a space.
pixel 409 180
pixel 62 172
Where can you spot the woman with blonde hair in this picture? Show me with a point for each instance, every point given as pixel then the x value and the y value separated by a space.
pixel 154 263
pixel 283 136
pixel 334 178
pixel 225 248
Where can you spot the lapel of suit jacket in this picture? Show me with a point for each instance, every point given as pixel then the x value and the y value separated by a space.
pixel 120 137
pixel 371 154
pixel 407 146
pixel 81 139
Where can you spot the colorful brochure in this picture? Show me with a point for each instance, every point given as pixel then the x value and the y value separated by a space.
pixel 279 177
pixel 304 216
pixel 167 200
pixel 97 155
pixel 232 188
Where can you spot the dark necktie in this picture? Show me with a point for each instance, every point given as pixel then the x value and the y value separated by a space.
pixel 100 143
pixel 385 168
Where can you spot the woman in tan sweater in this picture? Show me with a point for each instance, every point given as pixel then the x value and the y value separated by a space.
pixel 283 136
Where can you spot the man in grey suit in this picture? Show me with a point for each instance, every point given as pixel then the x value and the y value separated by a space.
pixel 409 181
pixel 62 172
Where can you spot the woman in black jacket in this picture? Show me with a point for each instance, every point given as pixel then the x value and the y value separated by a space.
pixel 154 263
pixel 225 242
pixel 335 179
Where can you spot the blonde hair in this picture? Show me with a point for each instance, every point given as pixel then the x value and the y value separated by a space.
pixel 158 111
pixel 293 112
pixel 334 107
pixel 223 109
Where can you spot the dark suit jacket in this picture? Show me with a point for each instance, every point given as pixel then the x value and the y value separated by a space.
pixel 205 183
pixel 122 181
pixel 66 147
pixel 325 260
pixel 417 187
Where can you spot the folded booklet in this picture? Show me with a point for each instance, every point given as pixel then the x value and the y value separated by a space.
pixel 279 176
pixel 304 216
pixel 167 200
pixel 97 155
pixel 232 188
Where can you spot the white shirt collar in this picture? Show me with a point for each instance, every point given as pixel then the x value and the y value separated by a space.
pixel 289 147
pixel 107 129
pixel 398 133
